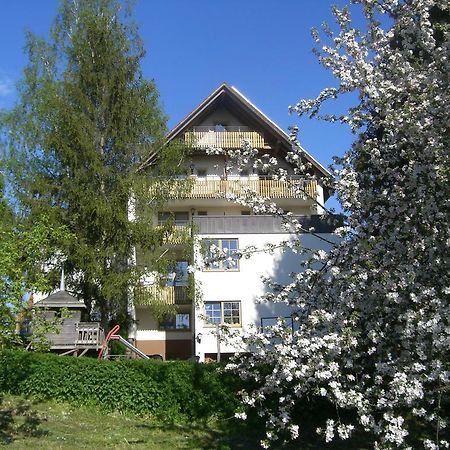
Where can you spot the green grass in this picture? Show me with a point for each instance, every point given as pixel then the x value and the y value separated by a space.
pixel 26 424
pixel 33 425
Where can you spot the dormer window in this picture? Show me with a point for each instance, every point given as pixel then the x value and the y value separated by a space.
pixel 220 127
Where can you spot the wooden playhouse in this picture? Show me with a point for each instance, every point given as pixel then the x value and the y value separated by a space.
pixel 75 335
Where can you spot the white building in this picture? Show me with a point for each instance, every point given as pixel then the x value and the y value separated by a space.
pixel 226 290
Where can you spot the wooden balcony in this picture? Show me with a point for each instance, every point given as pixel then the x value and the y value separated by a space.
pixel 170 295
pixel 223 139
pixel 275 189
pixel 178 235
pixel 74 336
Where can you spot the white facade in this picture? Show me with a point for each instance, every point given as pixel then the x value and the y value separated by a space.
pixel 226 293
pixel 245 286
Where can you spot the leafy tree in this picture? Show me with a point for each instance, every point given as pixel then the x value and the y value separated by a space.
pixel 6 213
pixel 79 143
pixel 373 315
pixel 23 253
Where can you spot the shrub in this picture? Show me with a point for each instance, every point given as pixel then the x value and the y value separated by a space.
pixel 181 391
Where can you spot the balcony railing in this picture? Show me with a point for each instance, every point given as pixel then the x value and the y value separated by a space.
pixel 276 189
pixel 254 224
pixel 223 139
pixel 170 295
pixel 178 235
pixel 89 334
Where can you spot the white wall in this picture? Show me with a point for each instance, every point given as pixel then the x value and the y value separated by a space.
pixel 214 165
pixel 246 285
pixel 148 328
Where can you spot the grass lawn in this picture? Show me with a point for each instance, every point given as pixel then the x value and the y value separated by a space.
pixel 31 425
pixel 26 424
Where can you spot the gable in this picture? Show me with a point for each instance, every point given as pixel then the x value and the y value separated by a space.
pixel 226 106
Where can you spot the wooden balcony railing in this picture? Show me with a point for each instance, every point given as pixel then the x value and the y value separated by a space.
pixel 223 139
pixel 170 295
pixel 276 189
pixel 178 235
pixel 89 334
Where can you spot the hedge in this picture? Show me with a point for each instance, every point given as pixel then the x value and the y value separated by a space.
pixel 168 391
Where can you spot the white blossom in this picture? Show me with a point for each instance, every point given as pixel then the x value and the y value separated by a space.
pixel 373 314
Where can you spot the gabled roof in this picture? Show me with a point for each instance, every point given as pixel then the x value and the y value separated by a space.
pixel 60 299
pixel 238 103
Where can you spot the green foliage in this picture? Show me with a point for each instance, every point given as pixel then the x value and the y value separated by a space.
pixel 6 214
pixel 80 143
pixel 23 252
pixel 176 391
pixel 160 309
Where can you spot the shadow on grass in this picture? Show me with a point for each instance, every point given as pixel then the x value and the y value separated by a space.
pixel 239 435
pixel 221 436
pixel 235 434
pixel 19 420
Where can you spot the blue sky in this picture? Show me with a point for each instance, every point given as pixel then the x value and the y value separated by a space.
pixel 263 48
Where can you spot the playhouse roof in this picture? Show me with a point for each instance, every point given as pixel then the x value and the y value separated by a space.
pixel 60 299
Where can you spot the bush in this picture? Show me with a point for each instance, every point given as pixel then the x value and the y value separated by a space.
pixel 180 391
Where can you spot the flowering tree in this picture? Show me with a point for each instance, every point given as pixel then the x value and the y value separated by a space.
pixel 372 316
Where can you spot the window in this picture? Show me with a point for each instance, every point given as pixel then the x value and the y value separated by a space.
pixel 163 217
pixel 245 213
pixel 220 254
pixel 213 312
pixel 202 213
pixel 181 273
pixel 220 127
pixel 178 275
pixel 201 173
pixel 180 217
pixel 181 321
pixel 223 313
